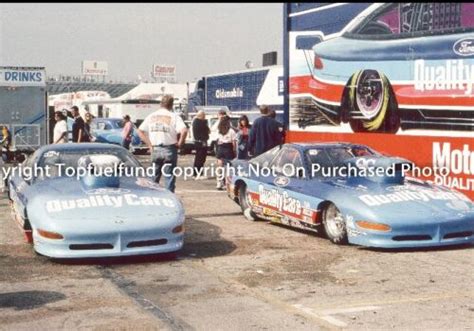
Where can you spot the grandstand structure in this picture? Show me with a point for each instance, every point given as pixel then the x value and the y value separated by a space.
pixel 114 89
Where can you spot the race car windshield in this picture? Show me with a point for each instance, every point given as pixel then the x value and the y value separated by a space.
pixel 336 156
pixel 118 124
pixel 58 161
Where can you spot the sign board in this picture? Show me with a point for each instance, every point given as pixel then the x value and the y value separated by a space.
pixel 95 68
pixel 22 76
pixel 406 97
pixel 163 71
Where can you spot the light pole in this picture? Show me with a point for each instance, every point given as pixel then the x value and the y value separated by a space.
pixel 186 110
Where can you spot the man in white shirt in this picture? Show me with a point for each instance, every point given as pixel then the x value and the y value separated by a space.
pixel 164 132
pixel 60 128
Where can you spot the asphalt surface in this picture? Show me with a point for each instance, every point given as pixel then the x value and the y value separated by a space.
pixel 236 275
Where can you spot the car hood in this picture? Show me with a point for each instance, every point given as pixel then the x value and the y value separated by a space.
pixel 353 48
pixel 133 203
pixel 411 201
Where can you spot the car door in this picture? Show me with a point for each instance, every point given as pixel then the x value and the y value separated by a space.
pixel 281 192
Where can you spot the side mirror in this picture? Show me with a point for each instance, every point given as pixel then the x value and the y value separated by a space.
pixel 307 42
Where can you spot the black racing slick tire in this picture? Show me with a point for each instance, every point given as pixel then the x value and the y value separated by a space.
pixel 245 205
pixel 372 104
pixel 334 225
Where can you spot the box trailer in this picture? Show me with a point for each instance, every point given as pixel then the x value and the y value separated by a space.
pixel 241 91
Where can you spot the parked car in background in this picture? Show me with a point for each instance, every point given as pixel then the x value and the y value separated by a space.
pixel 109 130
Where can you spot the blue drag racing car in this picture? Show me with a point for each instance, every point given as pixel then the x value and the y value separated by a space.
pixel 109 130
pixel 352 194
pixel 91 200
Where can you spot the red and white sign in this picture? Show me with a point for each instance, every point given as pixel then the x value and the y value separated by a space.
pixel 95 68
pixel 163 71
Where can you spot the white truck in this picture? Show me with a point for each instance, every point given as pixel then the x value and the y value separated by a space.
pixel 137 109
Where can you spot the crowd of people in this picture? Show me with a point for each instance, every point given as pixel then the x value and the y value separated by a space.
pixel 243 142
pixel 164 133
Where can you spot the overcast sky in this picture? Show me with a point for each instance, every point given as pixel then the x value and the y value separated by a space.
pixel 199 39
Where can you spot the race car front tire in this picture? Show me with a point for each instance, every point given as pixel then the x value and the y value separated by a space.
pixel 334 224
pixel 245 205
pixel 372 104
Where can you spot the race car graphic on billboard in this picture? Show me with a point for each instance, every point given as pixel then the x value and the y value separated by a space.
pixel 398 77
pixel 395 66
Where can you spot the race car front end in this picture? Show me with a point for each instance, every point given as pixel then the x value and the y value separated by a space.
pixel 108 225
pixel 108 244
pixel 412 233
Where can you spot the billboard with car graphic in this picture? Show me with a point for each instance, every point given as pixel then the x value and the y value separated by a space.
pixel 396 76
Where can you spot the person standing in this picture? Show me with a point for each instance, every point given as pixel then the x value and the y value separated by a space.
pixel 164 132
pixel 201 133
pixel 78 133
pixel 226 146
pixel 87 128
pixel 60 128
pixel 243 138
pixel 265 133
pixel 6 142
pixel 220 114
pixel 281 127
pixel 127 132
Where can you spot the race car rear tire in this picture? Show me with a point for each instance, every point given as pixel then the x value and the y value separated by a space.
pixel 372 104
pixel 334 224
pixel 245 205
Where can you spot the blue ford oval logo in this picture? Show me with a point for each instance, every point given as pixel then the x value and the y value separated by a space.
pixel 464 47
pixel 281 181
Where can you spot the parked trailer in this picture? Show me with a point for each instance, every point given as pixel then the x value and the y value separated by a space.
pixel 241 91
pixel 23 106
pixel 67 100
pixel 137 109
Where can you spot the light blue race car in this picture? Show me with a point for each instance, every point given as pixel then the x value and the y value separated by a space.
pixel 91 200
pixel 352 194
pixel 109 130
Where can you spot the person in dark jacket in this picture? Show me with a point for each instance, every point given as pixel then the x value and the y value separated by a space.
pixel 243 138
pixel 78 127
pixel 201 135
pixel 281 127
pixel 265 133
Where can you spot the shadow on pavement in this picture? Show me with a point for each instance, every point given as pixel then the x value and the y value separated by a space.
pixel 28 299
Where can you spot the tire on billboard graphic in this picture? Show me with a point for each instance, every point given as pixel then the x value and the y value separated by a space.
pixel 372 105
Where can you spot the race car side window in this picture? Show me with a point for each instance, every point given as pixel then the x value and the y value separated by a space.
pixel 319 161
pixel 288 162
pixel 411 19
pixel 266 158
